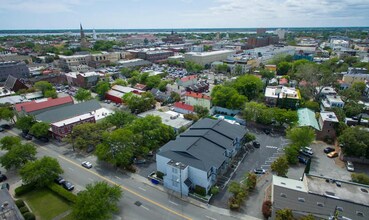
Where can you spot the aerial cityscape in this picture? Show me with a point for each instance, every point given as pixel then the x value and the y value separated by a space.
pixel 184 109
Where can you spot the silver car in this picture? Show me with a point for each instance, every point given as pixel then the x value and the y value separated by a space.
pixel 350 166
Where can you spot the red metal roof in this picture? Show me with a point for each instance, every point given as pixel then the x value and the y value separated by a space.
pixel 198 95
pixel 191 77
pixel 184 106
pixel 42 104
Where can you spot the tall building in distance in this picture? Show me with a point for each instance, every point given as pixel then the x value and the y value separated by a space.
pixel 94 36
pixel 261 31
pixel 281 33
pixel 84 43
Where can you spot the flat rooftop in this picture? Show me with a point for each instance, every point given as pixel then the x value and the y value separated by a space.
pixel 170 118
pixel 210 53
pixel 98 114
pixel 290 183
pixel 348 191
pixel 329 116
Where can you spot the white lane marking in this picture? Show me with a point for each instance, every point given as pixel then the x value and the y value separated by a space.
pixel 173 203
pixel 273 147
pixel 142 189
pixel 117 177
pixel 208 217
pixel 265 165
pixel 145 208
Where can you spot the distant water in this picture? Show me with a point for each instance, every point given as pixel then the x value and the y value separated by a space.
pixel 153 31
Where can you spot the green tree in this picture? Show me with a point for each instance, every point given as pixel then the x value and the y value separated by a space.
pixel 99 201
pixel 308 217
pixel 361 178
pixel 350 95
pixel 51 94
pixel 283 68
pixel 280 166
pixel 221 68
pixel 359 87
pixel 266 74
pixel 238 69
pixel 355 141
pixel 249 86
pixel 175 96
pixel 25 123
pixel 118 147
pixel 18 155
pixel 312 105
pixel 201 111
pixel 120 118
pixel 6 114
pixel 83 95
pixel 340 113
pixel 43 86
pixel 84 135
pixel 139 104
pixel 352 108
pixel 120 82
pixel 153 81
pixel 227 97
pixel 283 116
pixel 251 180
pixel 40 129
pixel 102 87
pixel 8 142
pixel 301 136
pixel 41 172
pixel 284 214
pixel 252 110
pixel 163 85
pixel 291 153
pixel 152 132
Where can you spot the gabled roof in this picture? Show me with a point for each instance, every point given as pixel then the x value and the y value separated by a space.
pixel 42 104
pixel 68 111
pixel 184 106
pixel 204 144
pixel 187 78
pixel 307 118
pixel 197 95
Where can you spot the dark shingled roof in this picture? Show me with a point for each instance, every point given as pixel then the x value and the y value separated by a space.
pixel 204 144
pixel 69 111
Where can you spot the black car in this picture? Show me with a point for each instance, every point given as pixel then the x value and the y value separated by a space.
pixel 43 139
pixel 256 144
pixel 303 160
pixel 267 131
pixel 68 186
pixel 60 180
pixel 328 150
pixel 3 177
pixel 1 129
pixel 26 136
pixel 5 126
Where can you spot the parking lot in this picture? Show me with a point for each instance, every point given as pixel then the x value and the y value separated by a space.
pixel 321 165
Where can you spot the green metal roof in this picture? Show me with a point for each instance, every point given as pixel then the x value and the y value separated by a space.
pixel 307 118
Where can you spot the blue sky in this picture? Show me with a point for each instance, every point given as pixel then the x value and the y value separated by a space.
pixel 128 14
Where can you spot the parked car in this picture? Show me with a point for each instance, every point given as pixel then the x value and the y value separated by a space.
pixel 3 178
pixel 303 160
pixel 327 150
pixel 259 171
pixel 307 151
pixel 6 126
pixel 5 186
pixel 1 129
pixel 267 131
pixel 86 164
pixel 43 139
pixel 59 180
pixel 139 161
pixel 68 186
pixel 256 144
pixel 26 136
pixel 350 166
pixel 332 154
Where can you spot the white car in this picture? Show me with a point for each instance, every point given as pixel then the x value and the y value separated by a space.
pixel 86 164
pixel 350 166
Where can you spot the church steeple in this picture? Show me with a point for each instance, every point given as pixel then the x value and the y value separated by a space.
pixel 81 31
pixel 84 43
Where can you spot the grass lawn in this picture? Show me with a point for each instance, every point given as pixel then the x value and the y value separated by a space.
pixel 45 204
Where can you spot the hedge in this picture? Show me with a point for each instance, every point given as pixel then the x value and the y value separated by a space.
pixel 29 216
pixel 19 203
pixel 23 189
pixel 24 209
pixel 62 192
pixel 200 190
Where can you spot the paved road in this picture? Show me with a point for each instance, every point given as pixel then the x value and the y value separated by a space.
pixel 153 203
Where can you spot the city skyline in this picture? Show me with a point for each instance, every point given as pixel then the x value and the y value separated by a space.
pixel 145 14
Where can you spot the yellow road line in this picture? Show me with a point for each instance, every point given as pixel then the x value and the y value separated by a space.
pixel 125 188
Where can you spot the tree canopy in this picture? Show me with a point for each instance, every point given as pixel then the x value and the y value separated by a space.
pixel 139 104
pixel 8 142
pixel 301 136
pixel 98 202
pixel 6 114
pixel 40 129
pixel 83 95
pixel 18 155
pixel 120 118
pixel 355 142
pixel 227 97
pixel 85 135
pixel 249 86
pixel 280 166
pixel 102 87
pixel 41 172
pixel 25 123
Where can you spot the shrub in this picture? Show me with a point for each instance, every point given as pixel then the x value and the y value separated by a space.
pixel 361 178
pixel 131 168
pixel 19 203
pixel 159 174
pixel 200 190
pixel 214 190
pixel 23 209
pixel 23 189
pixel 267 209
pixel 249 137
pixel 62 192
pixel 29 216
